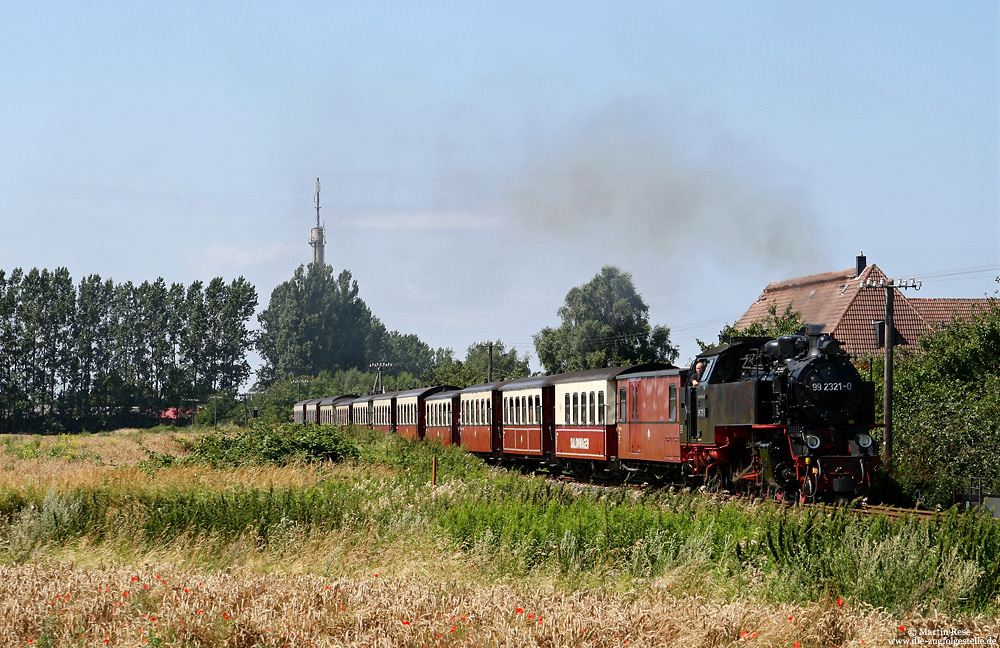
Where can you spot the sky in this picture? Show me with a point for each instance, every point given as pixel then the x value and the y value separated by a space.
pixel 480 159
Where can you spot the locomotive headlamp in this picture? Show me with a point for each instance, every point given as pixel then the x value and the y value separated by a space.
pixel 813 441
pixel 864 441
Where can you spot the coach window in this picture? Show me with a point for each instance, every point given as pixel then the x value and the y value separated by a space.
pixel 600 407
pixel 576 408
pixel 622 391
pixel 593 407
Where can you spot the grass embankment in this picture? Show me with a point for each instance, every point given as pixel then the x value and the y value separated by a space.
pixel 197 529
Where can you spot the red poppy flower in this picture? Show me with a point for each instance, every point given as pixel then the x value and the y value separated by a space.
pixel 902 628
pixel 519 610
pixel 840 602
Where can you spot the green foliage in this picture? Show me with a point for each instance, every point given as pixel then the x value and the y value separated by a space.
pixel 102 355
pixel 772 326
pixel 605 323
pixel 947 410
pixel 507 365
pixel 274 444
pixel 317 323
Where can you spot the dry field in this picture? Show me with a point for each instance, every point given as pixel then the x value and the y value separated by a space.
pixel 324 590
pixel 52 603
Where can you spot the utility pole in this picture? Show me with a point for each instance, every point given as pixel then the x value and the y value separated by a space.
pixel 298 388
pixel 489 367
pixel 889 336
pixel 378 387
pixel 215 409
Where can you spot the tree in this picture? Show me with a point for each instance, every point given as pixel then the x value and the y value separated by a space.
pixel 947 410
pixel 315 322
pixel 474 370
pixel 605 323
pixel 772 326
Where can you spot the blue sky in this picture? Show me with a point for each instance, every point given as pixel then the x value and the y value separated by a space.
pixel 479 159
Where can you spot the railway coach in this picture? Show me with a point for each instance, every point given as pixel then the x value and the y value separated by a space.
pixel 409 414
pixel 442 413
pixel 585 422
pixel 480 426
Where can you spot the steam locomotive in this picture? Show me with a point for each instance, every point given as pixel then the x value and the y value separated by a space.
pixel 789 415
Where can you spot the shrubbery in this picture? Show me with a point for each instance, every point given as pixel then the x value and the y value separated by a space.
pixel 274 444
pixel 947 411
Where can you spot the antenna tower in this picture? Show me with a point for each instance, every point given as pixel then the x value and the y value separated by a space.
pixel 317 238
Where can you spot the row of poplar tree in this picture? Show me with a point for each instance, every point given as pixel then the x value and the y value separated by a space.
pixel 99 354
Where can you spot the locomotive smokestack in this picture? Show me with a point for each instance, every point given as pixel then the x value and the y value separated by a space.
pixel 862 263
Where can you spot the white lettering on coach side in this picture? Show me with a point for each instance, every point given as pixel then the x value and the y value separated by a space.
pixel 577 443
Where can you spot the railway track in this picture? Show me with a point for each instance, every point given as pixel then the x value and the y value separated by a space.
pixel 864 508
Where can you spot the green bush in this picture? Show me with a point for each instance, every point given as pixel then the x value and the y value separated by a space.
pixel 274 444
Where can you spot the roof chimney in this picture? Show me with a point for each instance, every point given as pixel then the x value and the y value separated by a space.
pixel 862 263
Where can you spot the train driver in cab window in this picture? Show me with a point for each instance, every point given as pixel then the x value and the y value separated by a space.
pixel 698 372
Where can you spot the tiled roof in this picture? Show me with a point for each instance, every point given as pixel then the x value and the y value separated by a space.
pixel 938 312
pixel 855 330
pixel 821 299
pixel 837 302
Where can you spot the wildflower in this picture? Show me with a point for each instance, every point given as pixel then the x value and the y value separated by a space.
pixel 840 602
pixel 145 587
pixel 743 635
pixel 125 593
pixel 135 578
pixel 406 623
pixel 519 610
pixel 902 628
pixel 796 645
pixel 531 616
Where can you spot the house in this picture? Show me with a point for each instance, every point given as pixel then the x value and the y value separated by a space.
pixel 847 303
